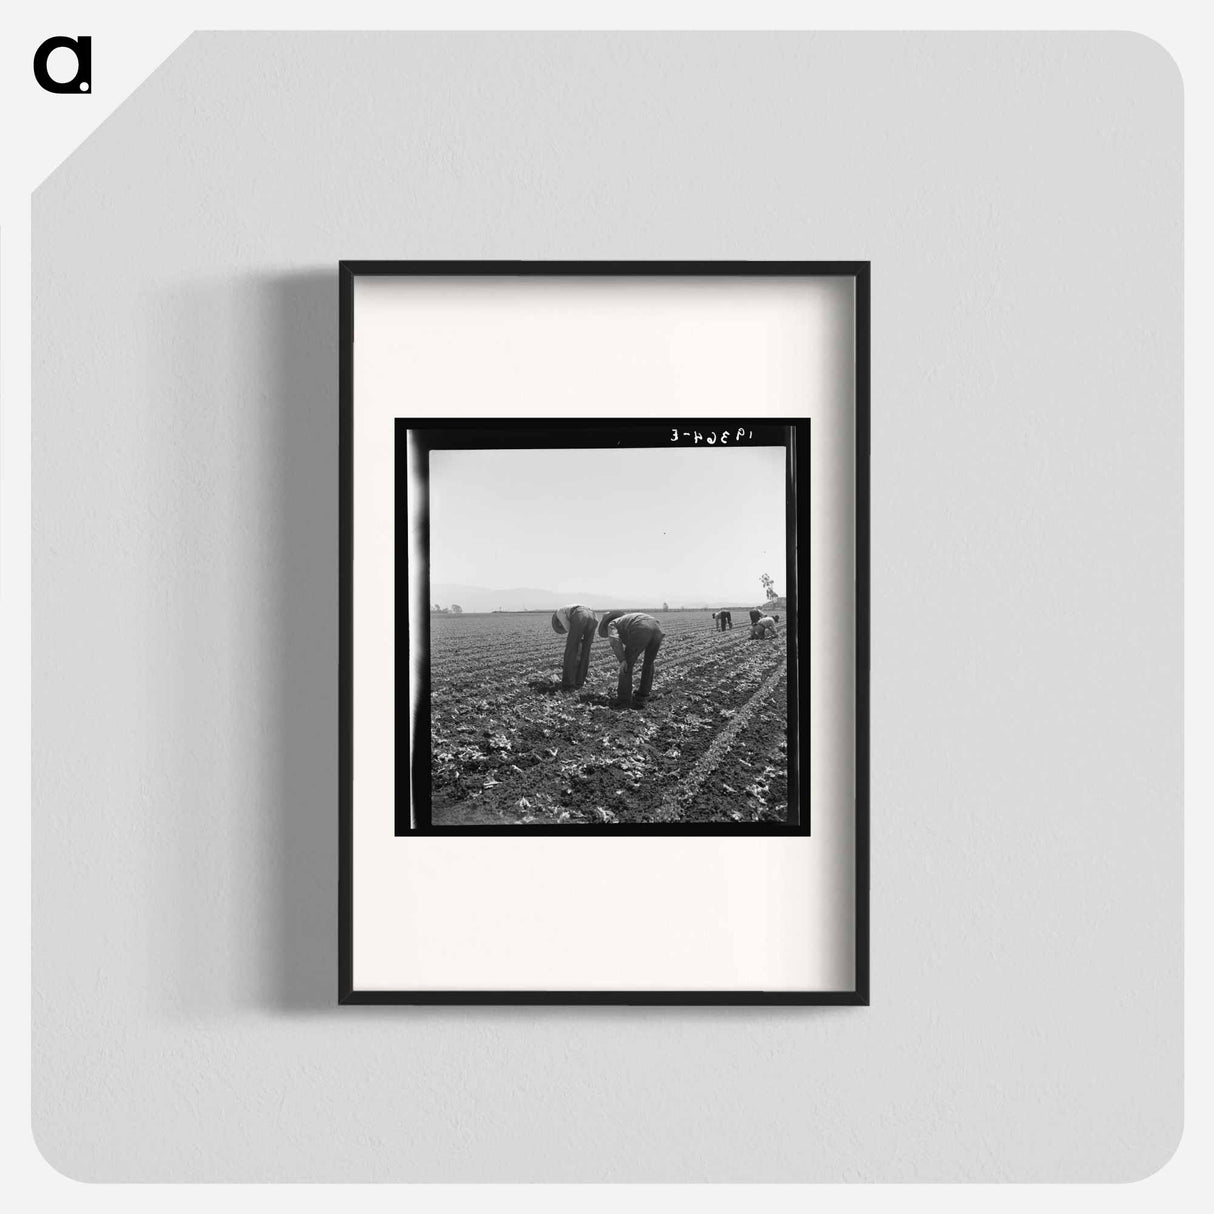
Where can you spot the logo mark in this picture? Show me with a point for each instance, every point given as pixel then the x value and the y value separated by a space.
pixel 82 81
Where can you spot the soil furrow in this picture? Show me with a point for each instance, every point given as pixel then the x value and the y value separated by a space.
pixel 679 798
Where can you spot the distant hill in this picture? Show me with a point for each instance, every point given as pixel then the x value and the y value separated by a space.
pixel 518 598
pixel 533 598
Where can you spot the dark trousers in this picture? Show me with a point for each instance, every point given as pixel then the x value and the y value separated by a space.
pixel 725 620
pixel 642 636
pixel 577 647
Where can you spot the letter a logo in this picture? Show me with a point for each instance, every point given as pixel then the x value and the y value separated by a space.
pixel 82 81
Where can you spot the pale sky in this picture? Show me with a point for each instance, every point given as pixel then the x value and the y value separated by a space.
pixel 650 524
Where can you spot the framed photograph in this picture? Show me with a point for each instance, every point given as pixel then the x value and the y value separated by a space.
pixel 604 632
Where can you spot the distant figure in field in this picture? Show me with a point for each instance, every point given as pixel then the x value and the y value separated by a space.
pixel 577 623
pixel 631 633
pixel 755 616
pixel 724 619
pixel 764 627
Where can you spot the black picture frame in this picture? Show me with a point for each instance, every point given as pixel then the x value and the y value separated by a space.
pixel 348 272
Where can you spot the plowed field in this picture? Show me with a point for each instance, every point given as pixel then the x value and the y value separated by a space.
pixel 710 744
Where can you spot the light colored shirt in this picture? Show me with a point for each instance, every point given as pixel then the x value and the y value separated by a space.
pixel 764 627
pixel 630 617
pixel 562 614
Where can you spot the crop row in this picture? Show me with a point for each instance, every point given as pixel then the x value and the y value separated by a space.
pixel 711 659
pixel 466 666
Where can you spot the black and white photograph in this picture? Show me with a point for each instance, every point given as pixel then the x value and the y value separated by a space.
pixel 610 626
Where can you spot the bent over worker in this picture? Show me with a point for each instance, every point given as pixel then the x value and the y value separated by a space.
pixel 763 628
pixel 631 633
pixel 755 616
pixel 724 619
pixel 578 623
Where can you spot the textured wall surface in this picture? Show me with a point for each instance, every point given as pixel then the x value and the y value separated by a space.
pixel 1020 199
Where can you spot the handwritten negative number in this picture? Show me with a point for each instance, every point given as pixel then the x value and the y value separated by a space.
pixel 712 437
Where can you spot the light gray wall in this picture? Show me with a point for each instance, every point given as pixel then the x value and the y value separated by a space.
pixel 1020 199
